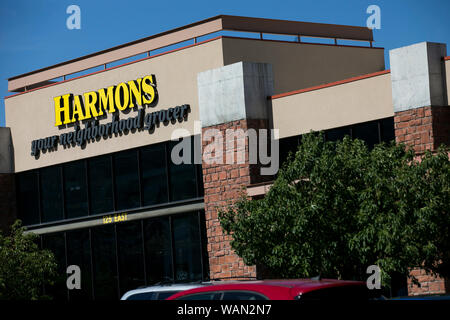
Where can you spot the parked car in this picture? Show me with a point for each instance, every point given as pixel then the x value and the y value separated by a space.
pixel 161 292
pixel 300 289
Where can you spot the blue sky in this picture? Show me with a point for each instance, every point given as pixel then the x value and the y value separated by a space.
pixel 33 34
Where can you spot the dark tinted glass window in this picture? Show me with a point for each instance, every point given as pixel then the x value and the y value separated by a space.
pixel 79 253
pixel 164 295
pixel 154 174
pixel 201 190
pixel 126 180
pixel 100 185
pixel 105 267
pixel 242 295
pixel 399 286
pixel 368 132
pixel 158 249
pixel 287 145
pixel 187 248
pixel 197 144
pixel 75 189
pixel 51 194
pixel 183 180
pixel 56 244
pixel 202 296
pixel 130 254
pixel 337 133
pixel 28 197
pixel 387 129
pixel 152 295
pixel 142 296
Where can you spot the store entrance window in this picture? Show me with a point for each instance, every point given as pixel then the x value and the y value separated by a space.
pixel 116 258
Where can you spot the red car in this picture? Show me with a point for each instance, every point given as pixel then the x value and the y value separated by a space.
pixel 303 290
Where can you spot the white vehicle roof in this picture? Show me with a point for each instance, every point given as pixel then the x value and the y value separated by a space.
pixel 165 288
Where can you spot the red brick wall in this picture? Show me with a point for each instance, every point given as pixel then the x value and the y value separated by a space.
pixel 428 284
pixel 7 201
pixel 223 183
pixel 424 129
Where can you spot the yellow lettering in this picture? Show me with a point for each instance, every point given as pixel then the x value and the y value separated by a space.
pixel 90 100
pixel 77 109
pixel 65 108
pixel 122 96
pixel 135 92
pixel 70 108
pixel 105 100
pixel 149 89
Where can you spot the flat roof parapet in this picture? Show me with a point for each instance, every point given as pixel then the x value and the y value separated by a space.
pixel 25 81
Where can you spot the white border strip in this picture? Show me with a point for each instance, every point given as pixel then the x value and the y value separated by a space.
pixel 130 217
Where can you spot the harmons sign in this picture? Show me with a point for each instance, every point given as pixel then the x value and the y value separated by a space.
pixel 92 106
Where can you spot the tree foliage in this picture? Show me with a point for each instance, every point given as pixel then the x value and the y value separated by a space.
pixel 24 268
pixel 337 207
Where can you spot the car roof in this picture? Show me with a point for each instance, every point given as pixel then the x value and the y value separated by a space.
pixel 164 288
pixel 303 285
pixel 291 287
pixel 291 283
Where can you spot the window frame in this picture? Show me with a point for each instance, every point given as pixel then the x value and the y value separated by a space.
pixel 197 174
pixel 95 253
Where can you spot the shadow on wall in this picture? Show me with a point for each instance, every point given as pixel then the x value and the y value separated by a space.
pixel 8 212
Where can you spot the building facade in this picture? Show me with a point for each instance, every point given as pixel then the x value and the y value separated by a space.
pixel 87 154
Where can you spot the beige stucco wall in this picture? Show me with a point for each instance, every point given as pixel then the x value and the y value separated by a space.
pixel 358 101
pixel 299 65
pixel 31 116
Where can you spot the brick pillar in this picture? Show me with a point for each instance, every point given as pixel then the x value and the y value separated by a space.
pixel 231 97
pixel 223 184
pixel 421 117
pixel 427 284
pixel 423 128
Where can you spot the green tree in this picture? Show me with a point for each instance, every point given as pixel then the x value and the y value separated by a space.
pixel 337 207
pixel 24 268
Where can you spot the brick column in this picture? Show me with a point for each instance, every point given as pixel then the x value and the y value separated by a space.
pixel 423 128
pixel 421 118
pixel 223 184
pixel 428 284
pixel 232 97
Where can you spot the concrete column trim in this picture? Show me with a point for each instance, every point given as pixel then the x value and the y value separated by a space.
pixel 418 76
pixel 235 92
